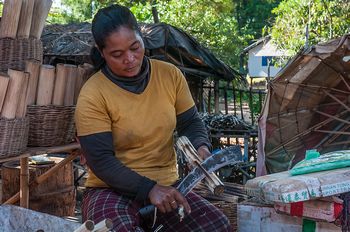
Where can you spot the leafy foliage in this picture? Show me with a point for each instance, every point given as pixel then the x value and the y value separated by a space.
pixel 328 19
pixel 214 23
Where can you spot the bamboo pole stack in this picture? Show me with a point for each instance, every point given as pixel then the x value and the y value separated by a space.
pixel 24 18
pixel 40 85
pixel 49 85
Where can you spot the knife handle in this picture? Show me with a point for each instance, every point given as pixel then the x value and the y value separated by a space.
pixel 145 211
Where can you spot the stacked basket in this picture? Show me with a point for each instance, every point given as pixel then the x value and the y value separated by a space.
pixel 21 26
pixel 51 112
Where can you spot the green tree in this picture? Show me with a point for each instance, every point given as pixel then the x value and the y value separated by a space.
pixel 325 20
pixel 223 26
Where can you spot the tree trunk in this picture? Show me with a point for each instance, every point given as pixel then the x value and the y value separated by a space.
pixel 155 12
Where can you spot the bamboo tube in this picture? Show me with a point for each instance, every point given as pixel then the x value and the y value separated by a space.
pixel 38 180
pixel 45 85
pixel 103 226
pixel 22 106
pixel 10 18
pixel 41 10
pixel 33 68
pixel 24 183
pixel 213 182
pixel 86 226
pixel 60 85
pixel 72 72
pixel 25 19
pixel 82 72
pixel 13 94
pixel 4 81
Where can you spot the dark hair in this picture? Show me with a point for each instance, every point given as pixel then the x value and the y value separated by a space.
pixel 106 21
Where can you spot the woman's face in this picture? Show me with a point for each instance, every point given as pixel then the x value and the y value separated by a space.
pixel 123 52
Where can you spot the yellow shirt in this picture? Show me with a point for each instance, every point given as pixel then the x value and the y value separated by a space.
pixel 142 125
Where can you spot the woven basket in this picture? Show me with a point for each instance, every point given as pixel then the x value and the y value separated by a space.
pixel 50 125
pixel 14 52
pixel 13 136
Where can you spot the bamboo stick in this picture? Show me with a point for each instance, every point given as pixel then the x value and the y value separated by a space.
pixel 45 85
pixel 10 18
pixel 104 226
pixel 337 100
pixel 13 94
pixel 22 105
pixel 212 181
pixel 60 85
pixel 33 68
pixel 24 183
pixel 25 19
pixel 4 81
pixel 86 226
pixel 38 180
pixel 41 10
pixel 72 72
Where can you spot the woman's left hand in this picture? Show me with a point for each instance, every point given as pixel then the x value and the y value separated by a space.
pixel 203 152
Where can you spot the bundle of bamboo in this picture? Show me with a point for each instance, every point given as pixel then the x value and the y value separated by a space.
pixel 24 18
pixel 59 86
pixel 13 123
pixel 53 95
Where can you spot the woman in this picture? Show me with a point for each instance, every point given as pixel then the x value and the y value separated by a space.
pixel 125 117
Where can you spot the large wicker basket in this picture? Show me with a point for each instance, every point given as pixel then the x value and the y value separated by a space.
pixel 14 52
pixel 50 125
pixel 13 136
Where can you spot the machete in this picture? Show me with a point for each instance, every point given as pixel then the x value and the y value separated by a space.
pixel 228 156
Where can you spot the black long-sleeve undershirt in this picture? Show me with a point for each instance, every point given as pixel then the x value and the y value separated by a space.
pixel 99 153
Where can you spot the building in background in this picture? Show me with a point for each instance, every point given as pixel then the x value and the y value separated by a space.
pixel 263 57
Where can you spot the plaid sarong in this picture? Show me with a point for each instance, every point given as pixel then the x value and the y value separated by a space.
pixel 101 203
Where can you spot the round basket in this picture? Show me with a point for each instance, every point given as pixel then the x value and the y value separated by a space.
pixel 50 125
pixel 14 52
pixel 13 136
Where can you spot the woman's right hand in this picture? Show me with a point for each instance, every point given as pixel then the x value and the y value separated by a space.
pixel 167 198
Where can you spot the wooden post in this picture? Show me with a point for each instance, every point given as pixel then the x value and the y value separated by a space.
pixel 22 105
pixel 25 19
pixel 13 94
pixel 33 68
pixel 213 182
pixel 86 226
pixel 60 85
pixel 216 97
pixel 24 183
pixel 72 72
pixel 38 180
pixel 10 18
pixel 41 10
pixel 4 81
pixel 45 85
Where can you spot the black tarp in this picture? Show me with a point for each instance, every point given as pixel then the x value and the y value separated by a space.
pixel 162 41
